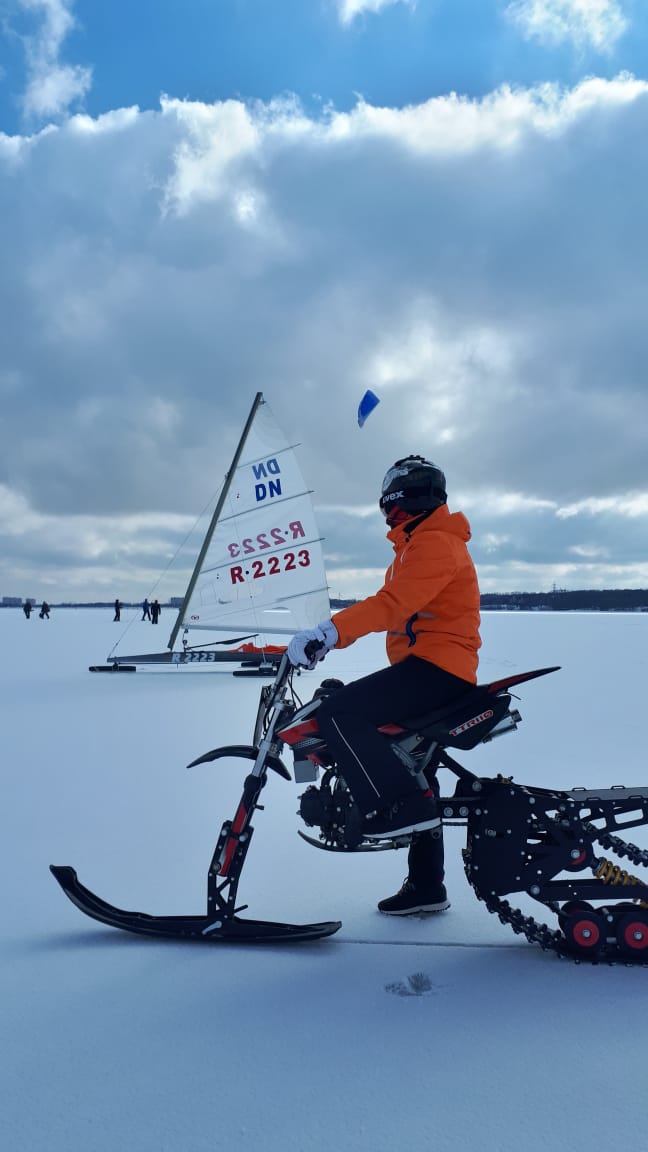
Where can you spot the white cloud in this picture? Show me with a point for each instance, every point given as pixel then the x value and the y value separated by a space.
pixel 520 577
pixel 53 87
pixel 502 505
pixel 71 553
pixel 589 552
pixel 594 24
pixel 455 124
pixel 349 9
pixel 214 138
pixel 630 505
pixel 493 542
pixel 480 264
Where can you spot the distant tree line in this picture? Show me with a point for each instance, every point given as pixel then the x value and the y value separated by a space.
pixel 560 600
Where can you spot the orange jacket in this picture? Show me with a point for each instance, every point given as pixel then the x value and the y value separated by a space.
pixel 429 603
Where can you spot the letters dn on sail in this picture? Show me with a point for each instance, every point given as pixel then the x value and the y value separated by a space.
pixel 266 470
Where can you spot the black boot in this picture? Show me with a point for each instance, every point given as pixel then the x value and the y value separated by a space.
pixel 411 900
pixel 423 889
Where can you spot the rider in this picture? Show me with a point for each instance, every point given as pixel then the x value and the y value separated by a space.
pixel 429 608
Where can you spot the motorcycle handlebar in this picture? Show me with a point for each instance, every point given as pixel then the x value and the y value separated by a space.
pixel 312 648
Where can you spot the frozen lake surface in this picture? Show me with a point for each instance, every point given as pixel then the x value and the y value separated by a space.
pixel 113 1041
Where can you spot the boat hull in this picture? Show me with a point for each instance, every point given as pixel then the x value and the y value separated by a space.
pixel 259 662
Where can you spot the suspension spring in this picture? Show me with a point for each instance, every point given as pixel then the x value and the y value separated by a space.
pixel 611 873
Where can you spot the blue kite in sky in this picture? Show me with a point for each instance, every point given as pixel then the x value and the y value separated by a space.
pixel 367 404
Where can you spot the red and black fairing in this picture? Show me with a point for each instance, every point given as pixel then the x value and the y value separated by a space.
pixel 302 734
pixel 463 724
pixel 479 715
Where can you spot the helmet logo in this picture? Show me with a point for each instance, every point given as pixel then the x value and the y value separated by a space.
pixel 392 475
pixel 393 496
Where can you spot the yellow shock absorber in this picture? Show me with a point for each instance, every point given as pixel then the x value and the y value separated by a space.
pixel 611 873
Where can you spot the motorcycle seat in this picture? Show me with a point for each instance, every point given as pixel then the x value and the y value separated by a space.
pixel 465 721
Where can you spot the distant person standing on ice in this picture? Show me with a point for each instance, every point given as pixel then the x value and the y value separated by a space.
pixel 155 612
pixel 27 609
pixel 45 611
pixel 146 610
pixel 117 615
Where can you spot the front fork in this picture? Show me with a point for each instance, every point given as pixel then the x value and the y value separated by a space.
pixel 236 834
pixel 231 849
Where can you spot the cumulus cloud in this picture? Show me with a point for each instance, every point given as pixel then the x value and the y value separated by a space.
pixel 53 86
pixel 596 24
pixel 70 555
pixel 631 504
pixel 349 9
pixel 480 264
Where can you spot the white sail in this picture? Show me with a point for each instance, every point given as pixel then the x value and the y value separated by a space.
pixel 261 568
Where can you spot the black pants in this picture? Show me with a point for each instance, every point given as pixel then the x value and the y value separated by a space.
pixel 426 858
pixel 349 720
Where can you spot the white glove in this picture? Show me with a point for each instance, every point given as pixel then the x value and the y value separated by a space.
pixel 325 636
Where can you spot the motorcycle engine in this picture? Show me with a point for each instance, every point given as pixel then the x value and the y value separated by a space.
pixel 331 808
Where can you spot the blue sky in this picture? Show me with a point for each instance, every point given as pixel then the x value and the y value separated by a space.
pixel 443 201
pixel 397 54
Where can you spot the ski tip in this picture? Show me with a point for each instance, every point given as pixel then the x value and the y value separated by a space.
pixel 333 926
pixel 64 873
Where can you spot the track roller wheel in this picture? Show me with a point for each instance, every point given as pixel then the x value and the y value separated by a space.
pixel 632 933
pixel 573 908
pixel 585 932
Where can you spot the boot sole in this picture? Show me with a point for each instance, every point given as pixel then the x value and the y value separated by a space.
pixel 413 826
pixel 443 907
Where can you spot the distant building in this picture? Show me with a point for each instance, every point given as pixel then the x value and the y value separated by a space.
pixel 12 601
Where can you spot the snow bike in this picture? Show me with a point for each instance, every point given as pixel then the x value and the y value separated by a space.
pixel 540 842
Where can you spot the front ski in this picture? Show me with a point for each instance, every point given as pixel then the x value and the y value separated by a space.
pixel 217 928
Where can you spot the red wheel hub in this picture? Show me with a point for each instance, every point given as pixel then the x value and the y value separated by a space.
pixel 635 935
pixel 586 933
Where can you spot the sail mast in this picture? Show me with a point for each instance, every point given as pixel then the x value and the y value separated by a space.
pixel 258 399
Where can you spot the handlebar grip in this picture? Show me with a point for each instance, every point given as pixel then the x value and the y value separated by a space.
pixel 312 648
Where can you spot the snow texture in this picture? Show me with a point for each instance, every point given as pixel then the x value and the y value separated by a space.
pixel 445 1032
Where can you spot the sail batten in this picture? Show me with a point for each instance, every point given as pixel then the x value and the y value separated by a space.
pixel 238 516
pixel 278 452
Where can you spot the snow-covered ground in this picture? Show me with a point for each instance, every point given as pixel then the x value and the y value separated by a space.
pixel 112 1041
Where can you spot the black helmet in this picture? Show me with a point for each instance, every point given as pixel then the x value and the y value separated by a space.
pixel 411 485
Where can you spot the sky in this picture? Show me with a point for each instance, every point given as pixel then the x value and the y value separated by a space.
pixel 446 1031
pixel 440 200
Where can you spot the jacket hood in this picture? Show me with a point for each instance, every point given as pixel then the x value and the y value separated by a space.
pixel 441 520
